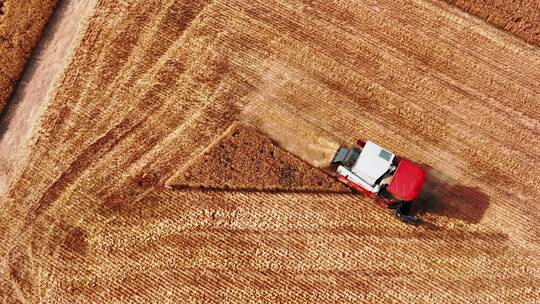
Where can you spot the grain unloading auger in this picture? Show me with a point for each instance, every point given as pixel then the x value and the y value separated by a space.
pixel 380 175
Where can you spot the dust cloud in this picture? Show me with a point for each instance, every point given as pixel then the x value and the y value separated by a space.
pixel 285 126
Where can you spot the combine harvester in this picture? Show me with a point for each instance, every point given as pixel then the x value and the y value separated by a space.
pixel 380 175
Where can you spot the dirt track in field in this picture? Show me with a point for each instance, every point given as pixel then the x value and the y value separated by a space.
pixel 51 57
pixel 21 25
pixel 90 218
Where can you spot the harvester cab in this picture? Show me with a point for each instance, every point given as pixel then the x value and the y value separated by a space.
pixel 380 175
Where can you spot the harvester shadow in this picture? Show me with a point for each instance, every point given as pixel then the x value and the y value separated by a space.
pixel 444 197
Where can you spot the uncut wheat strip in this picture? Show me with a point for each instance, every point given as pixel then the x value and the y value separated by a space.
pixel 21 27
pixel 36 87
pixel 66 79
pixel 38 147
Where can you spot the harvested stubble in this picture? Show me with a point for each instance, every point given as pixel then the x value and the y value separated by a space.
pixel 287 127
pixel 154 83
pixel 21 24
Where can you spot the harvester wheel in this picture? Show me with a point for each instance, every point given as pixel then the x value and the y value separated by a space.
pixel 401 211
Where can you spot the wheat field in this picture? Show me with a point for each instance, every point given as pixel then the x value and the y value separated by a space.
pixel 89 216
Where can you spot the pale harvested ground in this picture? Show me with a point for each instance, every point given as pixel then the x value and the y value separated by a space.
pixel 44 69
pixel 154 84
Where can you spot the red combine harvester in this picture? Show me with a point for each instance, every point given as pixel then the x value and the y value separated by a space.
pixel 380 175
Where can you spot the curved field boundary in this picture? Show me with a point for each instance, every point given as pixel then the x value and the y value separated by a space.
pixel 21 25
pixel 20 119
